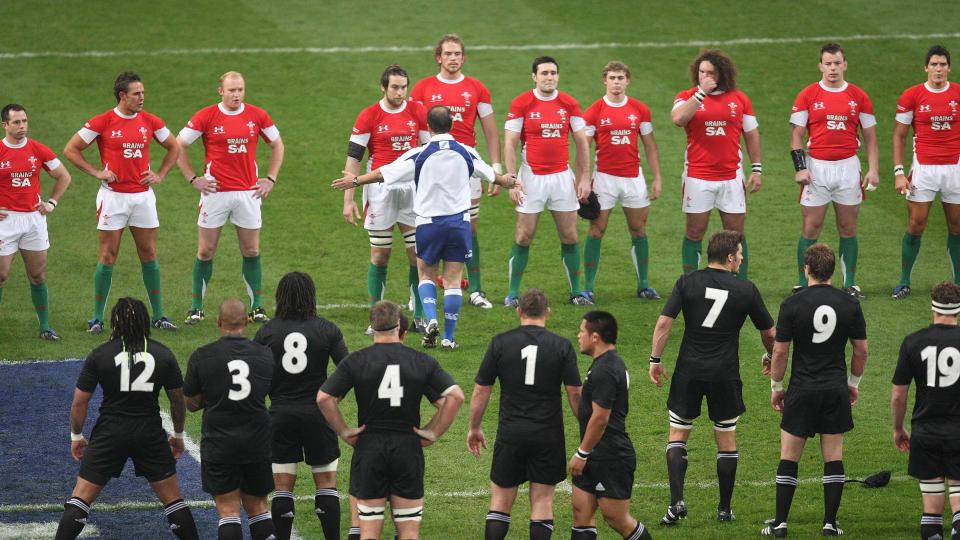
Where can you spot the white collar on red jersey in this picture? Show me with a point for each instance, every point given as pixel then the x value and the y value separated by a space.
pixel 228 112
pixel 387 109
pixel 116 110
pixel 8 145
pixel 934 90
pixel 828 89
pixel 448 81
pixel 541 97
pixel 614 104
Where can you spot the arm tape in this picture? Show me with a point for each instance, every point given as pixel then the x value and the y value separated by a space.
pixel 799 160
pixel 355 150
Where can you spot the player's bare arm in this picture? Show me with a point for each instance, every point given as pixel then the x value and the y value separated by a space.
pixel 582 164
pixel 149 177
pixel 194 403
pixel 573 398
pixel 265 185
pixel 349 180
pixel 682 115
pixel 591 436
pixel 652 154
pixel 62 177
pixel 798 134
pixel 178 413
pixel 510 141
pixel 331 412
pixel 478 405
pixel 898 408
pixel 199 182
pixel 489 126
pixel 78 415
pixel 445 415
pixel 754 152
pixel 74 152
pixel 778 368
pixel 900 132
pixel 661 333
pixel 872 179
pixel 858 363
pixel 352 167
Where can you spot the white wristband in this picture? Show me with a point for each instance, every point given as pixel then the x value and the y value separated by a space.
pixel 74 437
pixel 178 435
pixel 498 168
pixel 776 386
pixel 853 381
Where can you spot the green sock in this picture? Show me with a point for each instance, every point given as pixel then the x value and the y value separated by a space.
pixel 849 249
pixel 640 252
pixel 413 280
pixel 1 295
pixel 802 246
pixel 516 264
pixel 690 254
pixel 102 278
pixel 953 249
pixel 376 283
pixel 591 262
pixel 742 273
pixel 253 276
pixel 38 293
pixel 570 255
pixel 473 266
pixel 908 257
pixel 151 280
pixel 202 272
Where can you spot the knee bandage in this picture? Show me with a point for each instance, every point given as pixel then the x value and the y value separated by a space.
pixel 679 422
pixel 369 513
pixel 381 239
pixel 408 514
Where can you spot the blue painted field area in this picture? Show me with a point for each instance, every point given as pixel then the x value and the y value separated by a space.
pixel 37 472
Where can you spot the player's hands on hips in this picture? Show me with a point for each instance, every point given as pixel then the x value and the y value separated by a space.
pixel 350 435
pixel 176 446
pixel 776 400
pixel 803 177
pixel 427 436
pixel 345 182
pixel 148 178
pixel 658 373
pixel 264 187
pixel 854 395
pixel 76 448
pixel 43 207
pixel 2 215
pixel 901 184
pixel 204 184
pixel 870 180
pixel 656 188
pixel 106 175
pixel 901 439
pixel 576 466
pixel 476 441
pixel 754 183
pixel 351 213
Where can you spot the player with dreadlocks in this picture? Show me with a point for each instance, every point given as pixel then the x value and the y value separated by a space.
pixel 302 343
pixel 129 425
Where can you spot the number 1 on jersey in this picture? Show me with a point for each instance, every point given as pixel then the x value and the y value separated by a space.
pixel 719 297
pixel 529 353
pixel 390 386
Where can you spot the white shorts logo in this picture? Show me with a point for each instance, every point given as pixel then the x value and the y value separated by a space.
pixel 600 487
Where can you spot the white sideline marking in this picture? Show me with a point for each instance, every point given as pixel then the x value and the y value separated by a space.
pixel 40 530
pixel 342 306
pixel 423 48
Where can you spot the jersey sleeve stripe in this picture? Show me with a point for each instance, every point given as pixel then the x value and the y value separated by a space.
pixel 189 135
pixel 646 128
pixel 799 118
pixel 867 120
pixel 161 134
pixel 362 139
pixel 88 135
pixel 52 164
pixel 514 124
pixel 750 123
pixel 271 133
pixel 905 118
pixel 577 124
pixel 484 110
pixel 448 390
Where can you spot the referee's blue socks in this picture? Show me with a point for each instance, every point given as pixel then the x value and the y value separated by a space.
pixel 428 295
pixel 452 299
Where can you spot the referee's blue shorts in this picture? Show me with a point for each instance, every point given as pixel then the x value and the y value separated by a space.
pixel 445 237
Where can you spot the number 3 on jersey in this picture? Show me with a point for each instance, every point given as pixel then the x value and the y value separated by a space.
pixel 239 376
pixel 390 386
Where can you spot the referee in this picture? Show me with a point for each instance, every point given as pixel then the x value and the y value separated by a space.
pixel 441 171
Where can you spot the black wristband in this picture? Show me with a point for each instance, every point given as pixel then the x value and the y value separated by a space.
pixel 654 359
pixel 194 178
pixel 582 455
pixel 53 202
pixel 756 167
pixel 799 160
pixel 272 179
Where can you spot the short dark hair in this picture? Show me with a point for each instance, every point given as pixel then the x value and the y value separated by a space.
pixel 296 297
pixel 533 303
pixel 439 119
pixel 122 83
pixel 723 244
pixel 404 323
pixel 832 48
pixel 5 113
pixel 384 316
pixel 544 60
pixel 393 70
pixel 603 324
pixel 946 292
pixel 821 261
pixel 449 38
pixel 937 50
pixel 726 70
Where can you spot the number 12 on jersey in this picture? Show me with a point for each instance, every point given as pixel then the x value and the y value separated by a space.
pixel 390 386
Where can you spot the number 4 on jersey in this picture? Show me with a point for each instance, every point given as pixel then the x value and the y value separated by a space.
pixel 390 386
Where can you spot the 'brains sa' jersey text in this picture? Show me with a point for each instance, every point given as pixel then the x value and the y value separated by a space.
pixel 544 124
pixel 388 133
pixel 713 134
pixel 124 144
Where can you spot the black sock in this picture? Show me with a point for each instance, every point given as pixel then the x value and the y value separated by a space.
pixel 498 523
pixel 282 509
pixel 931 526
pixel 181 520
pixel 353 533
pixel 676 469
pixel 230 529
pixel 638 533
pixel 75 513
pixel 261 527
pixel 955 530
pixel 786 486
pixel 833 479
pixel 541 529
pixel 726 476
pixel 583 532
pixel 326 503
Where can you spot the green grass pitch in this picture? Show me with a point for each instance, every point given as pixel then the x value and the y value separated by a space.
pixel 314 97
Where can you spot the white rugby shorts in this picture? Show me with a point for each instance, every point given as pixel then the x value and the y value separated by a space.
pixel 241 207
pixel 927 180
pixel 629 192
pixel 728 196
pixel 116 210
pixel 551 191
pixel 23 230
pixel 384 207
pixel 836 181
